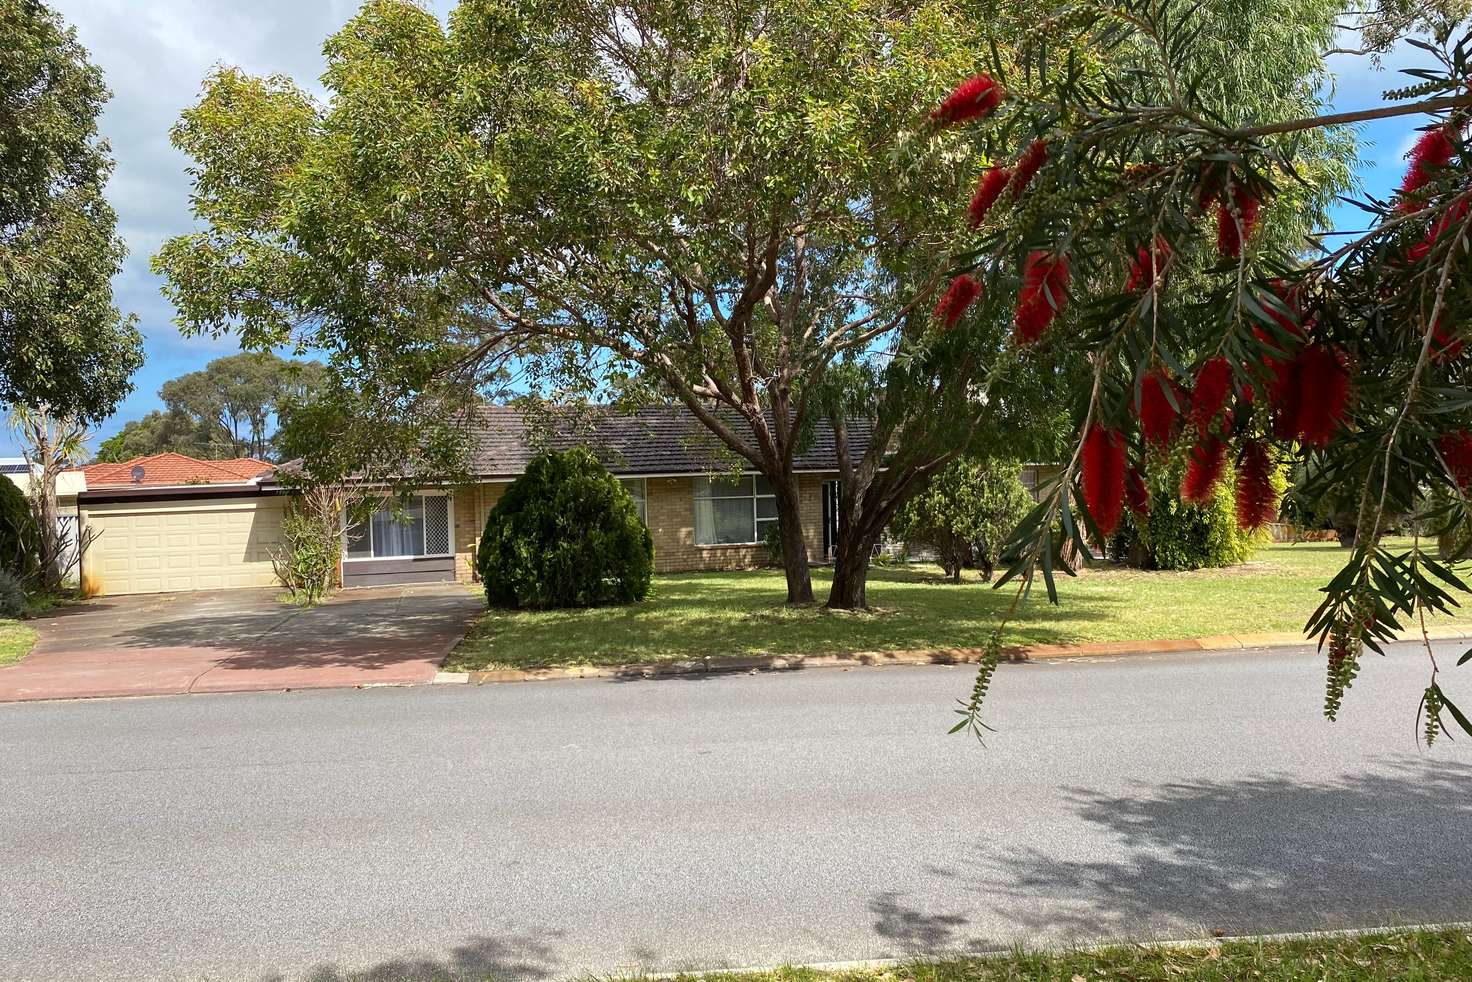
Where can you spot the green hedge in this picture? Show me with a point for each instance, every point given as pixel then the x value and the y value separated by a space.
pixel 1175 535
pixel 565 534
pixel 20 539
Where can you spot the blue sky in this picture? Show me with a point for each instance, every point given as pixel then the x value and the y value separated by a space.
pixel 156 52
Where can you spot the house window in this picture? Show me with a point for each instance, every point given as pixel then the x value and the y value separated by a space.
pixel 420 527
pixel 733 511
pixel 637 488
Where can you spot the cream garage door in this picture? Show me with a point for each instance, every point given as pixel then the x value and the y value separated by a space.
pixel 171 546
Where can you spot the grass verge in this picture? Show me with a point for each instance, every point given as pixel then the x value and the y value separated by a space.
pixel 16 639
pixel 693 615
pixel 1409 955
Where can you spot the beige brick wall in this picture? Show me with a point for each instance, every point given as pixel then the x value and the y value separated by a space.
pixel 473 506
pixel 671 514
pixel 671 508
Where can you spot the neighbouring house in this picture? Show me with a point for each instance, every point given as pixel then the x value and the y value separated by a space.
pixel 202 532
pixel 167 523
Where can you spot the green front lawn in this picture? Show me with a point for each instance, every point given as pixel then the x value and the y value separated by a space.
pixel 691 615
pixel 16 639
pixel 1419 956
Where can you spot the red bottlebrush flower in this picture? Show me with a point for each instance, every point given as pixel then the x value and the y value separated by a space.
pixel 1031 161
pixel 1149 266
pixel 1288 298
pixel 1213 385
pixel 1136 495
pixel 962 292
pixel 972 99
pixel 1043 296
pixel 1204 469
pixel 988 190
pixel 1157 414
pixel 1256 500
pixel 1321 375
pixel 1138 173
pixel 1456 450
pixel 1432 151
pixel 1104 477
pixel 1445 345
pixel 1456 213
pixel 1236 217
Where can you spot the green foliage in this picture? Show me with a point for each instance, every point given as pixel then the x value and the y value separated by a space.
pixel 772 542
pixel 224 410
pixel 966 514
pixel 734 199
pixel 13 600
pixel 565 534
pixel 1175 535
pixel 311 545
pixel 20 545
pixel 62 342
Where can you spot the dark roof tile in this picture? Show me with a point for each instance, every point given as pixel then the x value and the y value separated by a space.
pixel 650 440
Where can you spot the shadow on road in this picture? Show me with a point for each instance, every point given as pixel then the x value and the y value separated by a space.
pixel 1268 853
pixel 510 959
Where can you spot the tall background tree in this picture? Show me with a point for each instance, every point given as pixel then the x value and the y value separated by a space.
pixel 232 407
pixel 736 209
pixel 64 347
pixel 657 203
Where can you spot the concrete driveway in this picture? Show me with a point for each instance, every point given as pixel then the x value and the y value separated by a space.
pixel 241 641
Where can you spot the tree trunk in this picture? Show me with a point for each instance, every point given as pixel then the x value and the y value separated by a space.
pixel 53 548
pixel 794 546
pixel 850 578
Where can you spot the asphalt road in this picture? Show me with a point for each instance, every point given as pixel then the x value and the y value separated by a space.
pixel 547 829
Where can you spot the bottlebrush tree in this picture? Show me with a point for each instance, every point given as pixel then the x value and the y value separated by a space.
pixel 1138 246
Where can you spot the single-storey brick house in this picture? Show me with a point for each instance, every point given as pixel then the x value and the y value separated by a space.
pixel 207 536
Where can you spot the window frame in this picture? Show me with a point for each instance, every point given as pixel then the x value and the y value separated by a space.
pixel 754 495
pixel 642 501
pixel 368 525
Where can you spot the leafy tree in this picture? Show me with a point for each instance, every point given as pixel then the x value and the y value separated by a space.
pixel 157 432
pixel 226 409
pixel 50 444
pixel 565 534
pixel 63 345
pixel 20 550
pixel 629 199
pixel 966 514
pixel 1351 350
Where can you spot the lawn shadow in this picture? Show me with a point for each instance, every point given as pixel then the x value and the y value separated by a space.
pixel 506 959
pixel 1268 853
pixel 718 615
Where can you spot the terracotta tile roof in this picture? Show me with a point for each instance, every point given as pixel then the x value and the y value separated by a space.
pixel 174 468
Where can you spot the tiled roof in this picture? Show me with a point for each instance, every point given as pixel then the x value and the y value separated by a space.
pixel 174 468
pixel 651 440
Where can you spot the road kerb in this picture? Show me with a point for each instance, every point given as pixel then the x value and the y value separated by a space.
pixel 915 656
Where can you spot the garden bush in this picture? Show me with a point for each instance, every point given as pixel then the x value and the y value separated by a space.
pixel 966 514
pixel 565 534
pixel 20 539
pixel 1175 535
pixel 311 544
pixel 12 595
